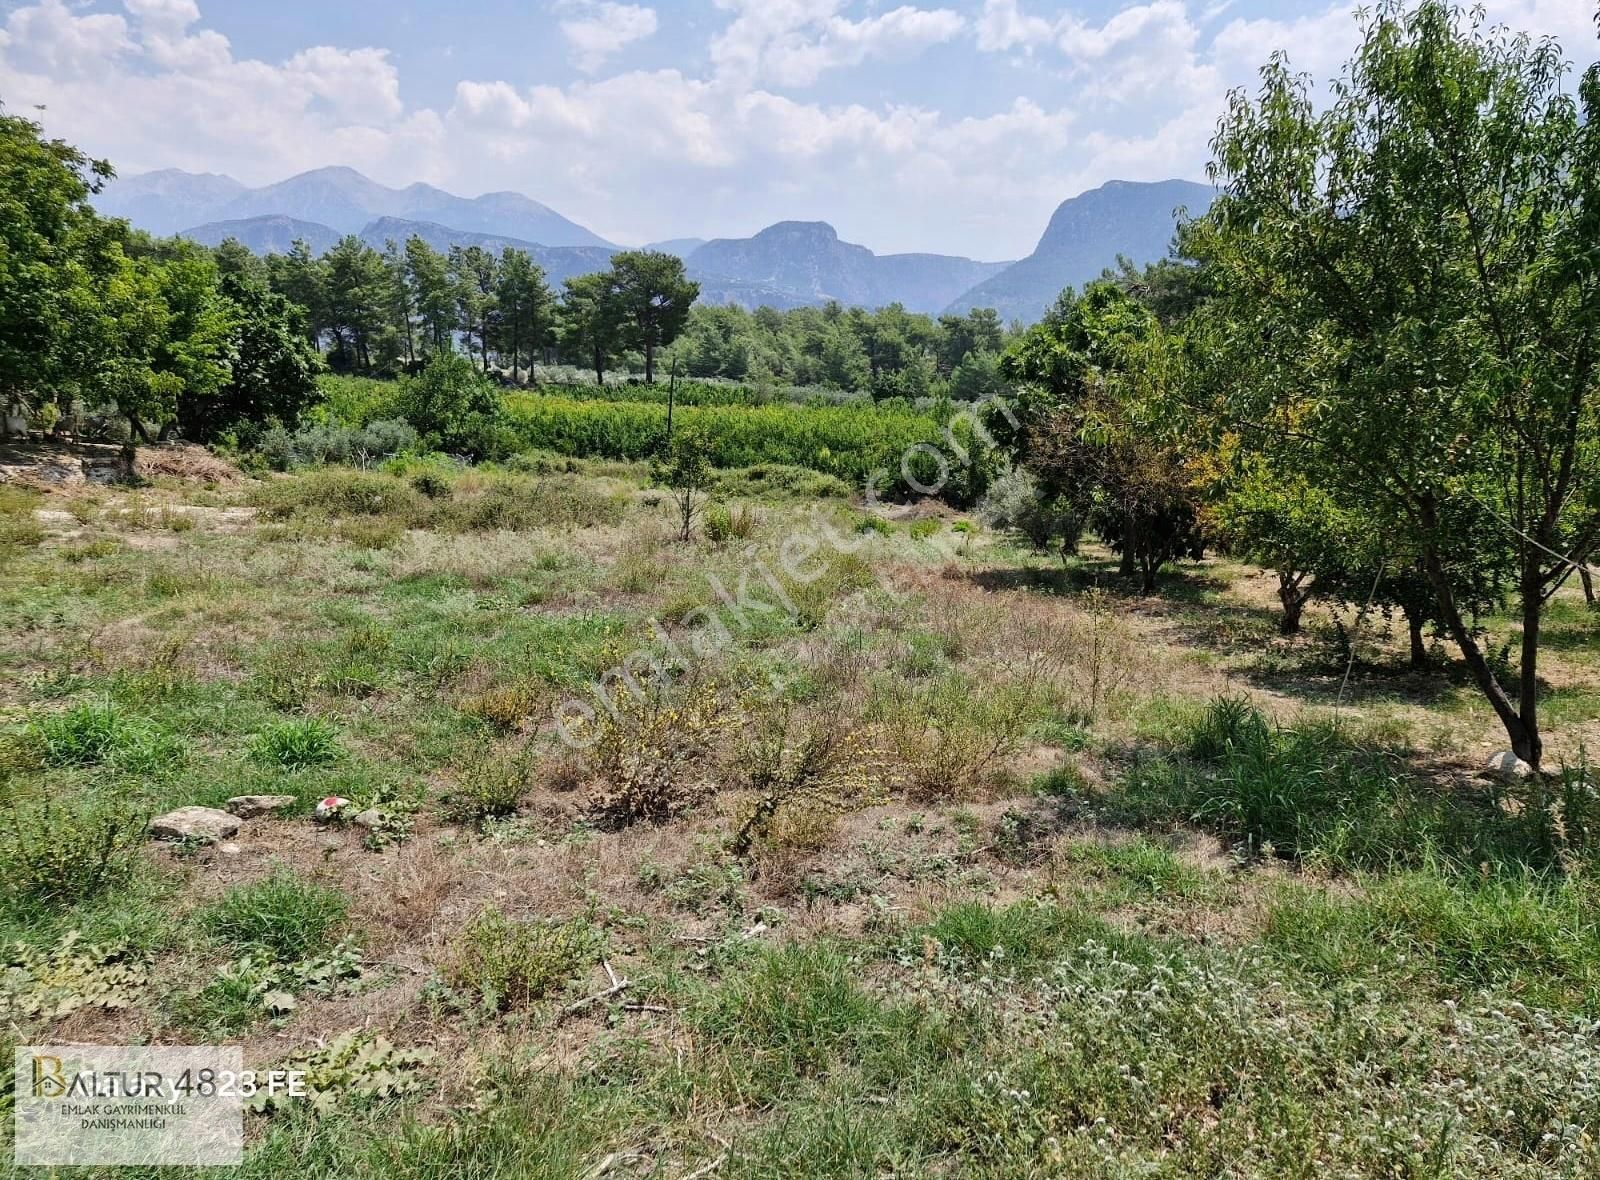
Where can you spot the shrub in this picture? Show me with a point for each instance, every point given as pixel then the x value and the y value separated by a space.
pixel 508 706
pixel 653 758
pixel 724 524
pixel 297 743
pixel 509 964
pixel 487 787
pixel 454 406
pixel 334 492
pixel 1015 501
pixel 482 502
pixel 55 854
pixel 19 528
pixel 815 769
pixel 332 443
pixel 283 916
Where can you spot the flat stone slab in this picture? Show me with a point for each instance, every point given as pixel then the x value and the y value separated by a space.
pixel 205 824
pixel 251 806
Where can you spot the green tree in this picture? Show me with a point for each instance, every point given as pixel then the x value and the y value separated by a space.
pixel 355 300
pixel 1415 265
pixel 1090 421
pixel 687 471
pixel 428 274
pixel 302 278
pixel 653 298
pixel 45 219
pixel 452 405
pixel 472 278
pixel 399 297
pixel 524 319
pixel 591 322
pixel 273 371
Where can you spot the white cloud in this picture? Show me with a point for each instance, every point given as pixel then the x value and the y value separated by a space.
pixel 167 16
pixel 51 36
pixel 793 42
pixel 605 28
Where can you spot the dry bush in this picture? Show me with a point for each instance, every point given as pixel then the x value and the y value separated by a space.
pixel 508 706
pixel 950 738
pixel 655 755
pixel 414 894
pixel 187 462
pixel 508 964
pixel 802 775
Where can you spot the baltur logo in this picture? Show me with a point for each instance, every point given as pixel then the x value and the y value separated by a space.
pixel 49 1077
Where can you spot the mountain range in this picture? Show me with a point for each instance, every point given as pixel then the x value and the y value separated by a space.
pixel 342 199
pixel 790 264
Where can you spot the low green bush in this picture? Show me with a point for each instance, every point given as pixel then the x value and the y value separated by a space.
pixel 56 853
pixel 334 492
pixel 506 964
pixel 99 733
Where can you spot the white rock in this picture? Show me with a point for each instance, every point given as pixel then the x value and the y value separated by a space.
pixel 371 819
pixel 331 808
pixel 204 824
pixel 228 849
pixel 1505 764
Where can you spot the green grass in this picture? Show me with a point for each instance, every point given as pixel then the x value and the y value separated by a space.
pixel 297 743
pixel 283 916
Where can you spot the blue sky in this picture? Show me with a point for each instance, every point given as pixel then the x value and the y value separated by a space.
pixel 947 125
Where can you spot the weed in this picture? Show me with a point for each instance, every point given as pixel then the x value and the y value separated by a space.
pixel 652 759
pixel 506 964
pixel 489 786
pixel 100 734
pixel 53 853
pixel 49 984
pixel 297 743
pixel 356 1068
pixel 283 916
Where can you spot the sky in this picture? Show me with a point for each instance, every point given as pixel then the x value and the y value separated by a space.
pixel 953 126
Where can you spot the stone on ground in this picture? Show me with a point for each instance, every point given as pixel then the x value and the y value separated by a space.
pixel 1505 764
pixel 205 824
pixel 251 806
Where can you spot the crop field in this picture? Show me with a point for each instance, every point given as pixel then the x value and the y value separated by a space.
pixel 831 842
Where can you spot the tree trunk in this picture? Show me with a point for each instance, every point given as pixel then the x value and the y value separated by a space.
pixel 1587 579
pixel 1130 559
pixel 649 363
pixel 1532 590
pixel 1419 648
pixel 1150 566
pixel 599 367
pixel 516 348
pixel 1522 730
pixel 1294 600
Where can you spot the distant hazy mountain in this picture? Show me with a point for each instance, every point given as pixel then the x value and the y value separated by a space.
pixel 807 261
pixel 559 262
pixel 682 247
pixel 1085 236
pixel 166 201
pixel 340 198
pixel 265 235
